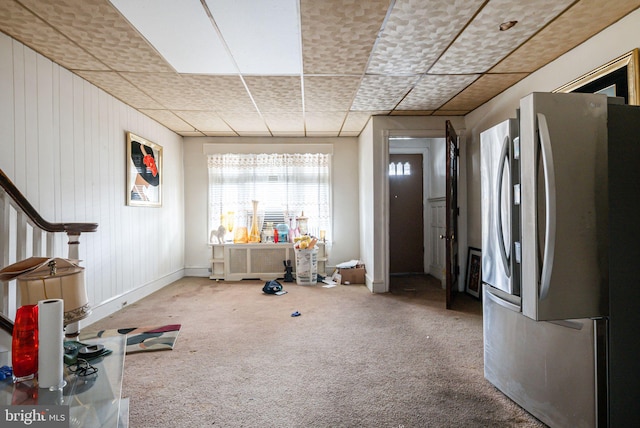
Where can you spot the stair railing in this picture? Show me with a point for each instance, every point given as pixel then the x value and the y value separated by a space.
pixel 24 233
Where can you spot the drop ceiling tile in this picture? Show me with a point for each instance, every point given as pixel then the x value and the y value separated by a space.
pixel 21 24
pixel 326 122
pixel 382 92
pixel 450 112
pixel 356 120
pixel 194 134
pixel 338 35
pixel 220 134
pixel 411 113
pixel 98 27
pixel 171 90
pixel 583 20
pixel 482 45
pixel 276 93
pixel 194 92
pixel 433 91
pixel 168 119
pixel 285 122
pixel 204 121
pixel 112 83
pixel 246 123
pixel 329 93
pixel 349 133
pixel 481 91
pixel 416 34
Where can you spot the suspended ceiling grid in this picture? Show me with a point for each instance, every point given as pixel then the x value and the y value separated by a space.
pixel 359 58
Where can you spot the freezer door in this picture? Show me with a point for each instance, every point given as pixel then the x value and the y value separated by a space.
pixel 551 369
pixel 496 172
pixel 564 205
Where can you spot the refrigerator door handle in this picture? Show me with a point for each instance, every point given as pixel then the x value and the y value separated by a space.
pixel 498 201
pixel 550 201
pixel 504 303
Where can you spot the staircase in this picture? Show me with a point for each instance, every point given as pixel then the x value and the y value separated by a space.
pixel 24 233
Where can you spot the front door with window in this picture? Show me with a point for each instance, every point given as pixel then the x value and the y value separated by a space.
pixel 406 224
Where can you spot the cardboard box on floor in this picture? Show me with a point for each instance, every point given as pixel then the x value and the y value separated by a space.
pixel 354 275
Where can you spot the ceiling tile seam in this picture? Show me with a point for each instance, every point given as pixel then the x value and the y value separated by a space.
pixel 426 72
pixel 385 21
pixel 565 50
pixel 234 62
pixel 364 72
pixel 62 34
pixel 453 39
pixel 302 95
pixel 480 75
pixel 149 44
pixel 528 39
pixel 141 90
pixel 452 97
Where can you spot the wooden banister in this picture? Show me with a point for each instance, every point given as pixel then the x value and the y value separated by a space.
pixel 27 208
pixel 73 231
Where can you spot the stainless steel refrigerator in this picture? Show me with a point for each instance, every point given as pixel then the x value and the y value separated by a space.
pixel 559 212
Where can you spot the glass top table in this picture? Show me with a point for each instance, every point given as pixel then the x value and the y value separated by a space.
pixel 93 400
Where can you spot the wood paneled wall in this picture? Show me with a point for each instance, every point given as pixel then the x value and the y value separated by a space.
pixel 62 143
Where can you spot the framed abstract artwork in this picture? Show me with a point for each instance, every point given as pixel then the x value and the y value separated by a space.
pixel 144 172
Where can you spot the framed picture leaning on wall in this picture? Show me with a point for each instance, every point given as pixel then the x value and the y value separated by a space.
pixel 144 172
pixel 474 273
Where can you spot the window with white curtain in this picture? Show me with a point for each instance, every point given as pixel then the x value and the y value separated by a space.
pixel 286 185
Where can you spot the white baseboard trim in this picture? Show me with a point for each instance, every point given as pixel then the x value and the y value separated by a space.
pixel 202 272
pixel 376 286
pixel 114 304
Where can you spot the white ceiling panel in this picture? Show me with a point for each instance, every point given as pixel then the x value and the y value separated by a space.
pixel 195 48
pixel 263 36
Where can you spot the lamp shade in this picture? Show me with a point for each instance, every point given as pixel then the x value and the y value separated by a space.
pixel 43 279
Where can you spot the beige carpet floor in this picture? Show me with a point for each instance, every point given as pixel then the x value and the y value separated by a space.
pixel 351 359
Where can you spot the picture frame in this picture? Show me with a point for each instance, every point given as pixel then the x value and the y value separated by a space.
pixel 619 77
pixel 474 272
pixel 144 172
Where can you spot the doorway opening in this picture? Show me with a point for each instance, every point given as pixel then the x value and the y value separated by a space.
pixel 417 203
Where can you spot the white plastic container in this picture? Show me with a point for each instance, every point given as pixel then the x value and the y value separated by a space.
pixel 306 266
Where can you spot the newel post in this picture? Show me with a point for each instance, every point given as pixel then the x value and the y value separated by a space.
pixel 72 330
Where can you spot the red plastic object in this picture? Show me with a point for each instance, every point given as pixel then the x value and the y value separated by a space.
pixel 24 343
